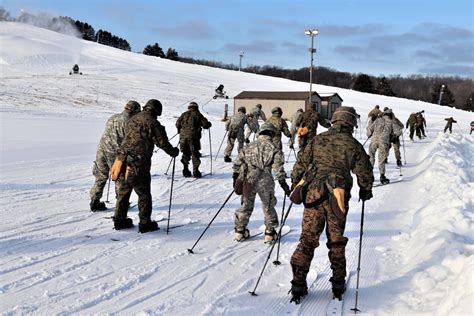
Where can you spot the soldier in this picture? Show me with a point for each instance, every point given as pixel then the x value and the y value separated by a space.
pixel 258 114
pixel 252 127
pixel 253 167
pixel 412 122
pixel 326 166
pixel 280 126
pixel 374 113
pixel 142 133
pixel 235 127
pixel 308 125
pixel 190 125
pixel 472 127
pixel 294 126
pixel 421 124
pixel 395 139
pixel 449 124
pixel 107 151
pixel 380 133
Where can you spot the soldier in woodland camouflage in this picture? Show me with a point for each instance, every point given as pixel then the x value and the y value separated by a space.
pixel 294 126
pixel 309 124
pixel 253 166
pixel 412 122
pixel 107 151
pixel 421 124
pixel 326 164
pixel 258 114
pixel 280 126
pixel 381 132
pixel 142 133
pixel 190 125
pixel 235 128
pixel 252 127
pixel 449 124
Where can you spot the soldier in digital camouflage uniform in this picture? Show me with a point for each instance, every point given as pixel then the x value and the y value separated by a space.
pixel 258 114
pixel 449 124
pixel 380 133
pixel 412 122
pixel 294 126
pixel 331 156
pixel 235 128
pixel 252 127
pixel 254 166
pixel 107 151
pixel 280 125
pixel 309 120
pixel 190 125
pixel 395 139
pixel 142 133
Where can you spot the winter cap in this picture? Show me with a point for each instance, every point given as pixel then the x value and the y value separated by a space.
pixel 345 115
pixel 242 109
pixel 154 105
pixel 192 105
pixel 377 106
pixel 132 107
pixel 277 110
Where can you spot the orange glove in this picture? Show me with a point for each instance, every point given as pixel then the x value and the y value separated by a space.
pixel 116 169
pixel 302 131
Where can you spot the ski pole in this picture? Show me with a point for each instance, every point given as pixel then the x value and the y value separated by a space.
pixel 460 129
pixel 221 145
pixel 108 190
pixel 171 197
pixel 288 158
pixel 169 165
pixel 355 309
pixel 404 154
pixel 271 250
pixel 190 250
pixel 365 141
pixel 210 147
pixel 277 262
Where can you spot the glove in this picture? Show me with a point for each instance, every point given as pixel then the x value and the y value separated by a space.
pixel 235 175
pixel 174 152
pixel 208 125
pixel 285 187
pixel 365 195
pixel 247 141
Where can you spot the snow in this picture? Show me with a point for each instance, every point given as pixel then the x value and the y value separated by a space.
pixel 58 258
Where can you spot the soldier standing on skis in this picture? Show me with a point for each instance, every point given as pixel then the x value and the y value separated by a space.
pixel 235 128
pixel 252 127
pixel 374 113
pixel 294 126
pixel 280 126
pixel 412 122
pixel 449 124
pixel 133 164
pixel 395 139
pixel 421 124
pixel 107 151
pixel 309 124
pixel 253 173
pixel 190 125
pixel 326 166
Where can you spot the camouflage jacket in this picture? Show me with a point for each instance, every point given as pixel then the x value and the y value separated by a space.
pixel 191 123
pixel 450 121
pixel 397 127
pixel 258 114
pixel 114 133
pixel 295 119
pixel 374 114
pixel 310 120
pixel 258 159
pixel 420 120
pixel 334 152
pixel 280 125
pixel 236 123
pixel 381 130
pixel 142 133
pixel 412 121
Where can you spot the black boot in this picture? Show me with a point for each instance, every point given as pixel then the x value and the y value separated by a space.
pixel 123 223
pixel 399 163
pixel 383 179
pixel 338 288
pixel 298 291
pixel 197 174
pixel 97 206
pixel 227 159
pixel 151 226
pixel 186 172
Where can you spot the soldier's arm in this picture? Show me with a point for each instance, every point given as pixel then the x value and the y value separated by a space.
pixel 263 116
pixel 370 130
pixel 278 165
pixel 160 138
pixel 302 163
pixel 285 129
pixel 323 122
pixel 178 123
pixel 299 120
pixel 363 169
pixel 204 122
pixel 239 161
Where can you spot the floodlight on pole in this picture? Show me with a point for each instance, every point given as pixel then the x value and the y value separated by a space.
pixel 441 91
pixel 312 33
pixel 241 56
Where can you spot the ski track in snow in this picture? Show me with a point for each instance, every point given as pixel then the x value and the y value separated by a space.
pixel 58 258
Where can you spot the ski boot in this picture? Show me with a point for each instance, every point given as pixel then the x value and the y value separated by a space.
pixel 241 235
pixel 123 223
pixel 383 179
pixel 270 235
pixel 227 159
pixel 399 163
pixel 186 172
pixel 150 226
pixel 338 288
pixel 97 206
pixel 298 291
pixel 197 174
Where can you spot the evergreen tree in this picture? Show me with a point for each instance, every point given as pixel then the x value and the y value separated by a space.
pixel 4 15
pixel 447 97
pixel 384 88
pixel 154 50
pixel 469 104
pixel 363 84
pixel 172 54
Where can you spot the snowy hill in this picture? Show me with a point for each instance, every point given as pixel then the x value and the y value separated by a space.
pixel 58 258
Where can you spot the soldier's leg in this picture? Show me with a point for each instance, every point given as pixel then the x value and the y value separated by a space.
pixel 241 140
pixel 372 150
pixel 243 213
pixel 383 154
pixel 230 146
pixel 396 149
pixel 100 170
pixel 196 154
pixel 143 190
pixel 266 192
pixel 412 131
pixel 124 191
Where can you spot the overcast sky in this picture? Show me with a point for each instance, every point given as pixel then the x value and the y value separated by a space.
pixel 370 36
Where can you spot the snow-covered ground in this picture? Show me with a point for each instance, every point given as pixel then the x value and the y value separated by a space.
pixel 58 258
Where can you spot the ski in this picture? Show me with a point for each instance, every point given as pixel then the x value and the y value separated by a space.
pixel 194 179
pixel 335 306
pixel 261 230
pixel 293 308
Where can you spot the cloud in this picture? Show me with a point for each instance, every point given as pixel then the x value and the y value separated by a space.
pixel 198 30
pixel 460 70
pixel 255 47
pixel 350 31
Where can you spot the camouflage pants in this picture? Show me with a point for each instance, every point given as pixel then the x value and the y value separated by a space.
pixel 418 131
pixel 142 187
pixel 231 141
pixel 383 154
pixel 396 149
pixel 190 149
pixel 277 142
pixel 412 131
pixel 313 223
pixel 102 164
pixel 265 188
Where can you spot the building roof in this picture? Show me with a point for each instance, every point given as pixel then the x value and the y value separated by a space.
pixel 329 95
pixel 275 95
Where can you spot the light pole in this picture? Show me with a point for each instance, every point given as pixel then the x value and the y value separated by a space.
pixel 312 33
pixel 441 91
pixel 241 56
